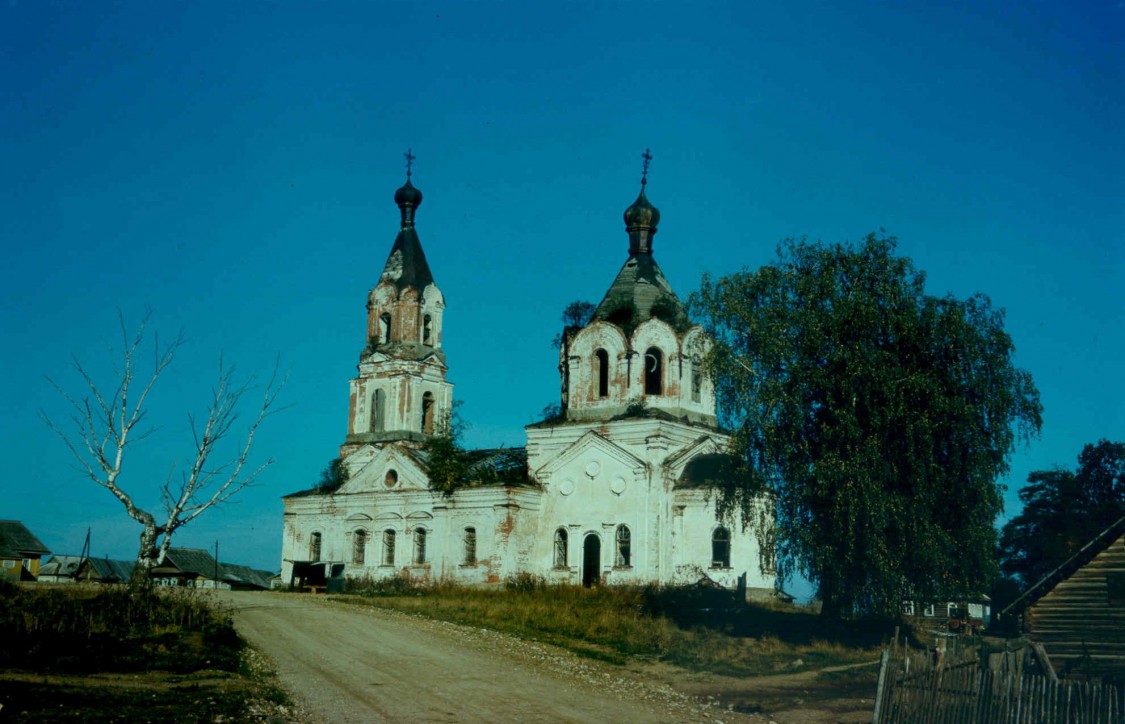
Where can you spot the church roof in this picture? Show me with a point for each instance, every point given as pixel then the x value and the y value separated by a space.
pixel 406 265
pixel 639 293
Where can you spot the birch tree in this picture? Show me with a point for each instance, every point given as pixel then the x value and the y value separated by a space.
pixel 880 418
pixel 106 419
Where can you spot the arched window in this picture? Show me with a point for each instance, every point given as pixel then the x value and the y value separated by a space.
pixel 428 413
pixel 391 478
pixel 470 546
pixel 427 330
pixel 314 547
pixel 419 546
pixel 359 547
pixel 720 548
pixel 560 548
pixel 384 328
pixel 696 378
pixel 624 547
pixel 654 372
pixel 388 547
pixel 602 358
pixel 378 405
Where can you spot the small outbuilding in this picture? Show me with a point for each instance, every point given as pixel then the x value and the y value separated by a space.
pixel 1077 612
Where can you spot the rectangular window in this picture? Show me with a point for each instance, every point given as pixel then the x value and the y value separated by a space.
pixel 388 548
pixel 359 547
pixel 419 546
pixel 470 546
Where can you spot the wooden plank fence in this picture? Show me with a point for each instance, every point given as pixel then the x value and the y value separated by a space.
pixel 917 689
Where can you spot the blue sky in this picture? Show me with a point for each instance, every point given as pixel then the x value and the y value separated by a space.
pixel 231 166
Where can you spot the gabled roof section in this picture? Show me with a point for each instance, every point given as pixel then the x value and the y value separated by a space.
pixel 595 441
pixel 60 566
pixel 191 560
pixel 16 541
pixel 245 577
pixel 1047 583
pixel 370 476
pixel 502 465
pixel 107 570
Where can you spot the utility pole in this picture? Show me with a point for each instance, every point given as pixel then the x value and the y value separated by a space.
pixel 216 579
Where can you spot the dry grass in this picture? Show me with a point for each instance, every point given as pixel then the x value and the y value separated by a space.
pixel 118 653
pixel 697 628
pixel 112 628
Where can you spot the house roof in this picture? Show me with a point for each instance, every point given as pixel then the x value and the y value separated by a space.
pixel 60 566
pixel 1087 553
pixel 107 570
pixel 202 563
pixel 245 576
pixel 191 560
pixel 16 541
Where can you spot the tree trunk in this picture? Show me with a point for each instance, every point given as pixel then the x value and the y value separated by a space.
pixel 147 555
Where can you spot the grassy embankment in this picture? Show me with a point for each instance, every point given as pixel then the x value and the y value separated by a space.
pixel 697 628
pixel 99 654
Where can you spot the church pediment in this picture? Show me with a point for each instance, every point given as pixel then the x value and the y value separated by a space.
pixel 589 453
pixel 703 445
pixel 383 469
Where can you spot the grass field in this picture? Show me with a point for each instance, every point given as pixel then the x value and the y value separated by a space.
pixel 114 653
pixel 698 628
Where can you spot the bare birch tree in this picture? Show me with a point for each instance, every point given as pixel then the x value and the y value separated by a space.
pixel 104 425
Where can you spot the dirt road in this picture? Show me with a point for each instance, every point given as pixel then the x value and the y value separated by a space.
pixel 345 664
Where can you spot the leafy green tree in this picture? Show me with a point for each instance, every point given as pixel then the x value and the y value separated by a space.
pixel 1063 511
pixel 333 477
pixel 446 462
pixel 879 418
pixel 576 315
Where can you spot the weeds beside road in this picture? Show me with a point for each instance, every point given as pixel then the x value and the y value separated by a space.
pixel 73 652
pixel 699 628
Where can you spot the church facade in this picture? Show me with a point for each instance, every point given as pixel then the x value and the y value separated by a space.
pixel 611 490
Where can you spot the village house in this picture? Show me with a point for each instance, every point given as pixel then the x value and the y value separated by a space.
pixel 20 552
pixel 611 490
pixel 1077 611
pixel 197 568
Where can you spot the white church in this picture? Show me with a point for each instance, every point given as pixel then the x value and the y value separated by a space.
pixel 612 491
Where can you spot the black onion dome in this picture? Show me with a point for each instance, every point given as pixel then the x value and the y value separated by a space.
pixel 408 199
pixel 642 214
pixel 408 195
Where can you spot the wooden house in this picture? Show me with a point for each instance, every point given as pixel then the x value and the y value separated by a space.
pixel 20 552
pixel 104 570
pixel 199 569
pixel 59 569
pixel 1077 612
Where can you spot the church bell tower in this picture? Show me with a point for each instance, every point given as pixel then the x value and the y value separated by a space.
pixel 401 394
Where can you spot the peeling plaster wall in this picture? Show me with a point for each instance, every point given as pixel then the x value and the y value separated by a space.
pixel 494 512
pixel 626 376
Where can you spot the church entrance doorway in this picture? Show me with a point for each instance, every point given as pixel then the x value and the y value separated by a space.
pixel 591 560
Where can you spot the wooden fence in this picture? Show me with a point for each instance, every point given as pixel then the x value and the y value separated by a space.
pixel 921 690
